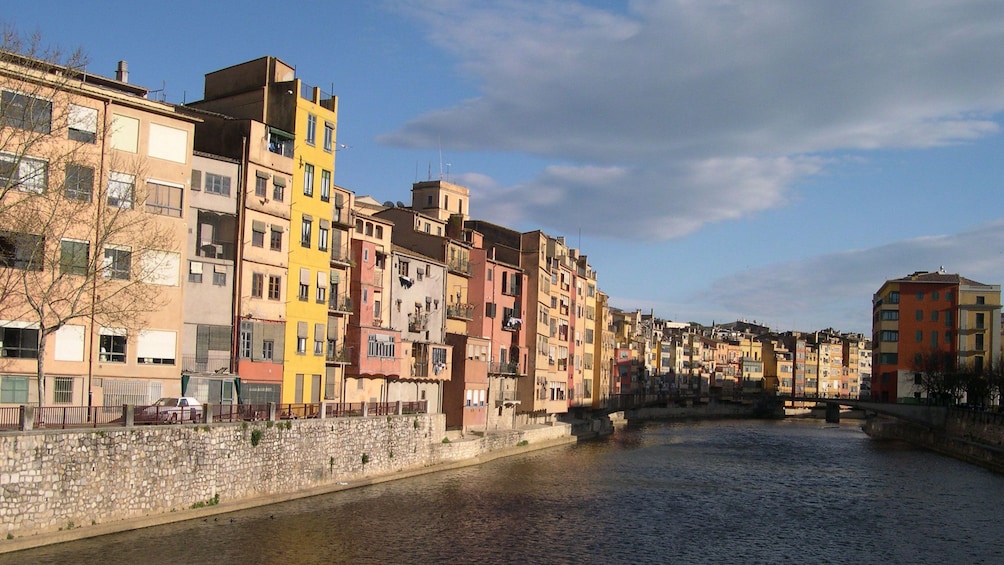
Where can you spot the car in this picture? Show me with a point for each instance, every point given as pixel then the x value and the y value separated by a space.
pixel 172 409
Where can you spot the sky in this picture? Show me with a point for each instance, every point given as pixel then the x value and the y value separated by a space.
pixel 768 160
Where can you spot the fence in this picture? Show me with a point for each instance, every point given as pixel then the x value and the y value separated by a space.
pixel 21 418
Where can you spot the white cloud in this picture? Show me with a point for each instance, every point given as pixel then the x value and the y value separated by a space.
pixel 836 289
pixel 677 114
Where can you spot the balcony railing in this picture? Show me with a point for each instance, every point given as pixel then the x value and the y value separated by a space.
pixel 498 368
pixel 460 311
pixel 338 355
pixel 459 266
pixel 208 364
pixel 340 304
pixel 504 397
pixel 341 255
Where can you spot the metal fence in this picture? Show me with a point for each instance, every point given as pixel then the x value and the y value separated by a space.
pixel 15 418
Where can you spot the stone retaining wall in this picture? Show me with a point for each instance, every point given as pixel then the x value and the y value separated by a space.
pixel 965 438
pixel 51 481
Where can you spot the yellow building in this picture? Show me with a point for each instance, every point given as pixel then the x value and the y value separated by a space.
pixel 310 247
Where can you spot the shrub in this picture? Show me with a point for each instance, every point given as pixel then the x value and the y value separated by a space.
pixel 255 437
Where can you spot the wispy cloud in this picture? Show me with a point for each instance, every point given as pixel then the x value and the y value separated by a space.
pixel 676 114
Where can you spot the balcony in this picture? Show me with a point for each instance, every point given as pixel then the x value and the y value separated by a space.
pixel 205 363
pixel 338 354
pixel 499 368
pixel 340 304
pixel 341 256
pixel 507 398
pixel 459 266
pixel 460 311
pixel 418 322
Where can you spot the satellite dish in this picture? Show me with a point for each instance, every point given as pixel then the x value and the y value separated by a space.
pixel 388 204
pixel 401 204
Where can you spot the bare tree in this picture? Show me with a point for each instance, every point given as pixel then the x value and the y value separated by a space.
pixel 939 377
pixel 76 241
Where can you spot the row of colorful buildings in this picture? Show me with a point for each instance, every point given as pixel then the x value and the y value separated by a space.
pixel 264 281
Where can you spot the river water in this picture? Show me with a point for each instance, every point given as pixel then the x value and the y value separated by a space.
pixel 699 492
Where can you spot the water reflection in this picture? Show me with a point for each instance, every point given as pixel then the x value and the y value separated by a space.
pixel 707 492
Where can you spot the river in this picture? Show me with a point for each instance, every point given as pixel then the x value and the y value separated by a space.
pixel 697 492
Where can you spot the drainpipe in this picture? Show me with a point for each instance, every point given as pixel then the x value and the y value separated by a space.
pixel 238 256
pixel 94 283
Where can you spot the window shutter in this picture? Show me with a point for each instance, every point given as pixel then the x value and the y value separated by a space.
pixel 196 179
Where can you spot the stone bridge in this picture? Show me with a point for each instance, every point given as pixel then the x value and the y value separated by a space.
pixel 930 416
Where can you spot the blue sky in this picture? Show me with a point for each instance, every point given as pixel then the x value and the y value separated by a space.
pixel 772 160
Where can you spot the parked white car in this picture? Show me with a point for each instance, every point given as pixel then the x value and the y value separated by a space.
pixel 172 409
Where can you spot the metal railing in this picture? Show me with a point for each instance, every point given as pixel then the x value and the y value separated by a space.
pixel 23 418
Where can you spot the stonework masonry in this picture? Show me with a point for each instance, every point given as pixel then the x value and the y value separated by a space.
pixel 75 481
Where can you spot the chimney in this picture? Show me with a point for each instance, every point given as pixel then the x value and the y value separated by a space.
pixel 122 72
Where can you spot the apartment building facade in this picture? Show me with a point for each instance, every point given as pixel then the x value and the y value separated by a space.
pixel 93 177
pixel 923 316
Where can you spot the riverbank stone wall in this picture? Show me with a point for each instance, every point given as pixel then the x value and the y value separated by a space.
pixel 61 480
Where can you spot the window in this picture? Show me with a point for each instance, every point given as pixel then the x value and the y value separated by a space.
pixel 322 294
pixel 218 184
pixel 280 142
pixel 934 295
pixel 257 285
pixel 25 112
pixel 318 347
pixel 260 186
pixel 156 347
pixel 918 336
pixel 194 272
pixel 79 182
pixel 403 268
pixel 278 188
pixel 949 319
pixel 979 342
pixel 113 348
pixel 304 291
pixel 918 315
pixel 980 320
pixel 981 300
pixel 311 129
pixel 934 316
pixel 163 199
pixel 325 185
pixel 305 232
pixel 890 314
pixel 82 124
pixel 894 297
pixel 267 349
pixel 329 136
pixel 244 339
pixel 21 250
pixel 934 340
pixel 118 262
pixel 322 237
pixel 23 173
pixel 170 144
pixel 258 237
pixel 14 390
pixel 380 346
pixel 301 345
pixel 73 257
pixel 889 335
pixel 275 242
pixel 308 180
pixel 220 276
pixel 62 390
pixel 19 343
pixel 124 133
pixel 274 287
pixel 120 189
pixel 920 296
